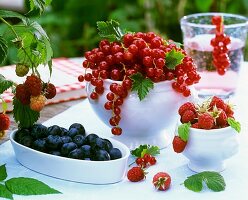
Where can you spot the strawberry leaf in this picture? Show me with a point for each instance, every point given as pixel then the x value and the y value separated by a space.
pixel 173 58
pixel 146 148
pixel 234 124
pixel 213 180
pixel 141 84
pixel 28 186
pixel 3 173
pixel 5 193
pixel 110 30
pixel 183 131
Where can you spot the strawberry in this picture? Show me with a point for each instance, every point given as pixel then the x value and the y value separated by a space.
pixel 33 84
pixel 4 122
pixel 22 94
pixel 186 106
pixel 205 121
pixel 161 181
pixel 50 91
pixel 37 103
pixel 188 116
pixel 221 120
pixel 218 102
pixel 136 174
pixel 178 144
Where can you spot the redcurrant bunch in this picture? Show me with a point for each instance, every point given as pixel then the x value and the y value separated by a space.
pixel 221 59
pixel 146 160
pixel 139 52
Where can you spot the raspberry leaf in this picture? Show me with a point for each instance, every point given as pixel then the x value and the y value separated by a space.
pixel 110 30
pixel 39 5
pixel 213 180
pixel 5 193
pixel 183 131
pixel 5 84
pixel 3 49
pixel 234 124
pixel 146 148
pixel 23 115
pixel 141 84
pixel 173 58
pixel 3 173
pixel 28 186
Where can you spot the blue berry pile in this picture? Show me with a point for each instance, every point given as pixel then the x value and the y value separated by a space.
pixel 70 143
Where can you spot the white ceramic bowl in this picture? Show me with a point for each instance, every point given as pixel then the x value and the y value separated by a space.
pixel 146 121
pixel 95 172
pixel 207 150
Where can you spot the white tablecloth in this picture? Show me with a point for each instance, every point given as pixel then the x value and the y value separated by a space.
pixel 236 174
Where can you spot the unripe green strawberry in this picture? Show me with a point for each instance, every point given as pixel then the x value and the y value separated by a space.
pixel 21 70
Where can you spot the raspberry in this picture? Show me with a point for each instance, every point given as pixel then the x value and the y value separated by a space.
pixel 188 116
pixel 34 85
pixel 186 106
pixel 221 120
pixel 218 102
pixel 178 144
pixel 22 94
pixel 4 122
pixel 135 174
pixel 37 102
pixel 205 121
pixel 195 125
pixel 229 111
pixel 50 91
pixel 21 70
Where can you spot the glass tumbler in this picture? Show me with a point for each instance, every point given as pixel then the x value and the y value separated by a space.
pixel 198 31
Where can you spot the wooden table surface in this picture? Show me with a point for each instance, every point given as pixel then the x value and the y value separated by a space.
pixel 48 112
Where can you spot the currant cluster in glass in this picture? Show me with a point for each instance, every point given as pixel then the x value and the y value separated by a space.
pixel 143 53
pixel 221 59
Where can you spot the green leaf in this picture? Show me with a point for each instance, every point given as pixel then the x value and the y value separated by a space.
pixel 141 84
pixel 28 186
pixel 33 25
pixel 194 183
pixel 183 131
pixel 3 173
pixel 12 14
pixel 4 105
pixel 173 58
pixel 24 115
pixel 39 5
pixel 213 180
pixel 110 30
pixel 4 84
pixel 5 193
pixel 145 149
pixel 234 124
pixel 3 49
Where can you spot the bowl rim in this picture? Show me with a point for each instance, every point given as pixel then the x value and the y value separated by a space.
pixel 123 146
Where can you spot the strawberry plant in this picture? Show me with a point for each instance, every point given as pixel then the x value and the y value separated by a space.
pixel 33 49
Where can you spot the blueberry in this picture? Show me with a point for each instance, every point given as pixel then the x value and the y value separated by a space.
pixel 20 133
pixel 73 132
pixel 101 155
pixel 64 131
pixel 39 131
pixel 54 130
pixel 76 154
pixel 99 144
pixel 40 145
pixel 53 142
pixel 66 139
pixel 108 145
pixel 86 149
pixel 79 140
pixel 91 138
pixel 115 153
pixel 27 140
pixel 67 148
pixel 55 153
pixel 79 127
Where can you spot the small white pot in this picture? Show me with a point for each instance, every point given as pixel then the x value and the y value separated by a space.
pixel 207 150
pixel 143 122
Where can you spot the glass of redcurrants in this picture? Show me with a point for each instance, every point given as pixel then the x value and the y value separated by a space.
pixel 216 42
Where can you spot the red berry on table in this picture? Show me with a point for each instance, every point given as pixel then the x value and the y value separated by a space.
pixel 116 131
pixel 178 144
pixel 205 121
pixel 135 174
pixel 4 122
pixel 186 106
pixel 152 161
pixel 161 181
pixel 80 78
